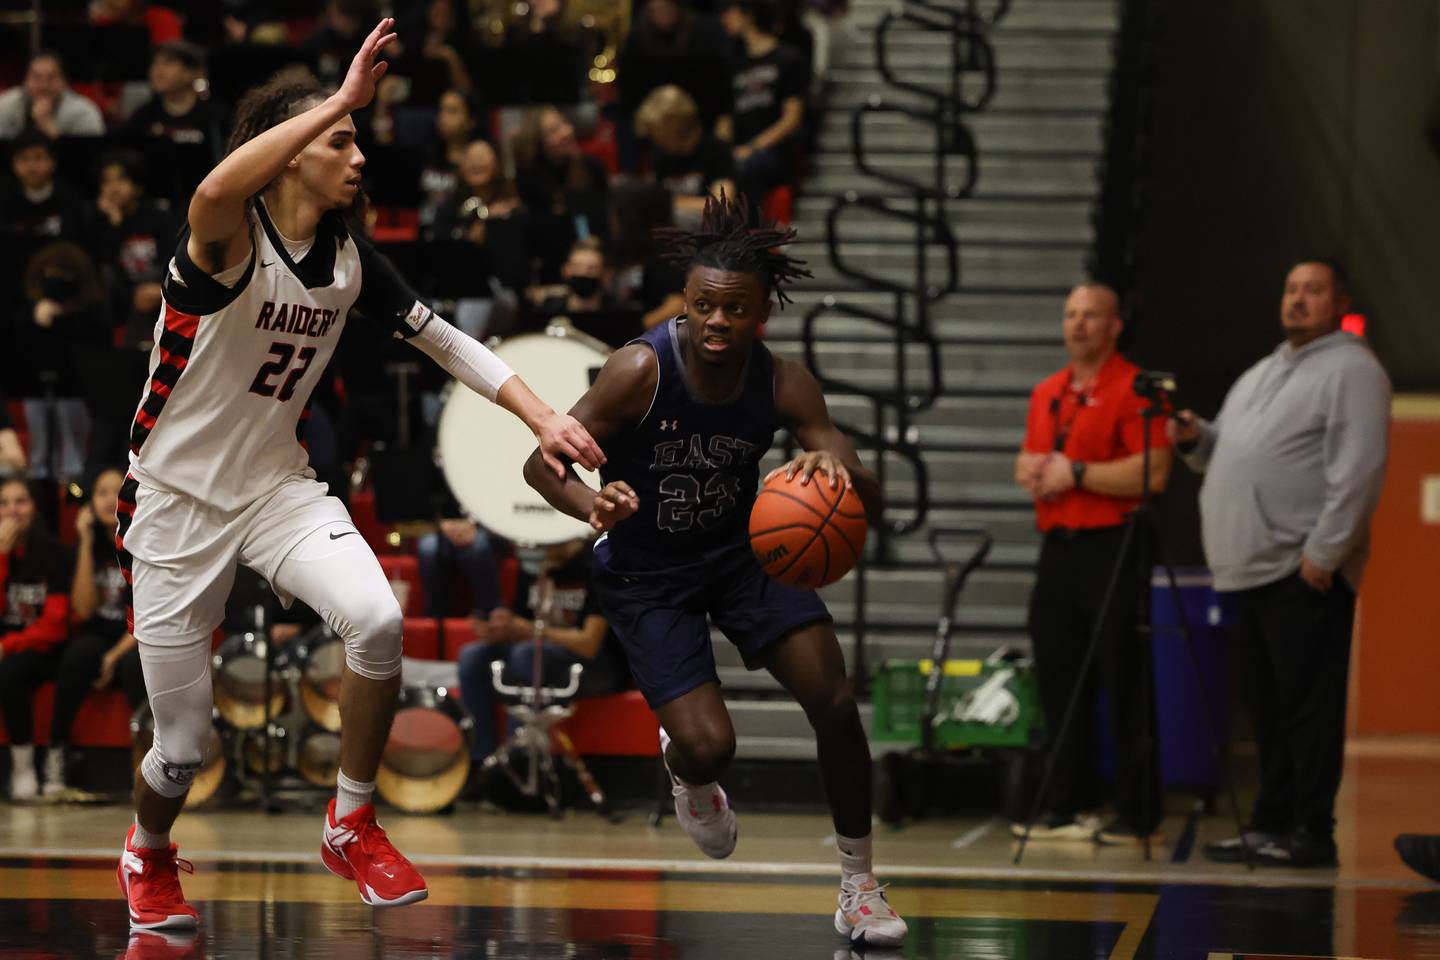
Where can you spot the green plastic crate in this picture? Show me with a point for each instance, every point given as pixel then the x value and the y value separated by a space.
pixel 899 702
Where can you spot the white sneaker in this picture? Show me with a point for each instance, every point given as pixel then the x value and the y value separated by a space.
pixel 865 916
pixel 704 812
pixel 54 772
pixel 24 786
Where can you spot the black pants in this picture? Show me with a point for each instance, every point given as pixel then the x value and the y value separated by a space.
pixel 1070 583
pixel 75 678
pixel 20 674
pixel 1295 648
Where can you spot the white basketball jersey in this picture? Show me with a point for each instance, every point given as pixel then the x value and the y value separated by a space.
pixel 233 367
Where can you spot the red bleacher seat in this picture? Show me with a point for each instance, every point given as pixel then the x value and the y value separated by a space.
pixel 103 720
pixel 362 512
pixel 422 638
pixel 615 725
pixel 396 225
pixel 779 205
pixel 455 632
pixel 406 568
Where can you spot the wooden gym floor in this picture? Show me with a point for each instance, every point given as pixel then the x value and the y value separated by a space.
pixel 519 886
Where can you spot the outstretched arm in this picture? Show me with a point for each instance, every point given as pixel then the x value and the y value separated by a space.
pixel 803 412
pixel 218 234
pixel 618 399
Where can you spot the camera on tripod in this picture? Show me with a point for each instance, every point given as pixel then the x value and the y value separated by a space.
pixel 1159 387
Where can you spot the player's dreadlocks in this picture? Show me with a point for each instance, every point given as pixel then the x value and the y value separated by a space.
pixel 725 240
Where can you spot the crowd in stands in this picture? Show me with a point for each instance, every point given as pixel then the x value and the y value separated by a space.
pixel 518 161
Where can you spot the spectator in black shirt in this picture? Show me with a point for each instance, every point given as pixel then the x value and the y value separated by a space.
pixel 442 36
pixel 485 209
pixel 60 322
pixel 558 181
pixel 770 89
pixel 686 160
pixel 669 28
pixel 585 277
pixel 457 124
pixel 176 111
pixel 101 651
pixel 333 43
pixel 38 206
pixel 643 278
pixel 576 633
pixel 35 574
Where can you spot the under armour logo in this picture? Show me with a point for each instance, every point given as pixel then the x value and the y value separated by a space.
pixel 669 424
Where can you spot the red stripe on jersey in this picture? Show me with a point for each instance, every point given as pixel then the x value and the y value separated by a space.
pixel 184 324
pixel 145 420
pixel 168 359
pixel 157 387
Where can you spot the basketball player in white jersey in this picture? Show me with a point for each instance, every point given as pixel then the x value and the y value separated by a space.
pixel 260 288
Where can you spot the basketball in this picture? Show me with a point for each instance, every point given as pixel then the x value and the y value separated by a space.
pixel 806 535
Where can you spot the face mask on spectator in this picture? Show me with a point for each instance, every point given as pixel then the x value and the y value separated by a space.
pixel 584 287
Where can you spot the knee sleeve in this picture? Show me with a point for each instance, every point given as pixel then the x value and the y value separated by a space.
pixel 373 640
pixel 178 679
pixel 341 580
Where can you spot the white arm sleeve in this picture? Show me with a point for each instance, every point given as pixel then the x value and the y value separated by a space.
pixel 461 356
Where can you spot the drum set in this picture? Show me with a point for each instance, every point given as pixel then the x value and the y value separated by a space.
pixel 485 477
pixel 277 708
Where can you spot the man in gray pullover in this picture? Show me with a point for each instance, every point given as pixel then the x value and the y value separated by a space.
pixel 1293 464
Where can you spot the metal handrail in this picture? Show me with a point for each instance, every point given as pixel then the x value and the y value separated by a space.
pixel 909 320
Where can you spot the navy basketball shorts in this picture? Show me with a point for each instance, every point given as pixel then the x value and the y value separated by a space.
pixel 658 605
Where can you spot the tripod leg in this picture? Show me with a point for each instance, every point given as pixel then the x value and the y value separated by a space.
pixel 1064 729
pixel 582 772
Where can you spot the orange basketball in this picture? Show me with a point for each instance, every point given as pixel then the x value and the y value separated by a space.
pixel 806 535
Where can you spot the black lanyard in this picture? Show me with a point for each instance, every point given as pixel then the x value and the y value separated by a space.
pixel 1062 431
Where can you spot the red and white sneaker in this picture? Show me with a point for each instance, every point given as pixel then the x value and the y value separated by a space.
pixel 865 916
pixel 356 848
pixel 150 880
pixel 704 812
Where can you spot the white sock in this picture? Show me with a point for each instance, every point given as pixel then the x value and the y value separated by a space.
pixel 141 840
pixel 855 857
pixel 22 757
pixel 351 795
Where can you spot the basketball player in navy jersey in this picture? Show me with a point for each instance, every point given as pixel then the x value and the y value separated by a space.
pixel 684 415
pixel 258 292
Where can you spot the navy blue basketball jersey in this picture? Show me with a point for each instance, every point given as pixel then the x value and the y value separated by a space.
pixel 695 465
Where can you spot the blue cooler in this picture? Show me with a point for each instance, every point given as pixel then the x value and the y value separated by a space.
pixel 1186 758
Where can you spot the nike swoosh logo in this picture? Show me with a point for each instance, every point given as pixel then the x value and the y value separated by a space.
pixel 266 263
pixel 337 536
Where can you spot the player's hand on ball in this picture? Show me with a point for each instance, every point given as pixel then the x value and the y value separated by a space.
pixel 561 435
pixel 805 466
pixel 613 503
pixel 364 73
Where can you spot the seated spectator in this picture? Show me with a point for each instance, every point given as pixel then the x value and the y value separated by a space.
pixel 770 88
pixel 38 206
pixel 643 278
pixel 134 237
pixel 576 633
pixel 545 27
pixel 670 28
pixel 176 111
pixel 457 124
pixel 485 209
pixel 101 651
pixel 45 103
pixel 585 277
pixel 343 27
pixel 12 454
pixel 35 575
pixel 556 180
pixel 687 161
pixel 442 34
pixel 60 320
pixel 458 545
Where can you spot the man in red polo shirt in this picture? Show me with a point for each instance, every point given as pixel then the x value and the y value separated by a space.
pixel 1081 461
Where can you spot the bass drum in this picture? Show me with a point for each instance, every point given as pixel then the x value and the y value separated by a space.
pixel 481 446
pixel 427 758
pixel 320 656
pixel 212 771
pixel 239 682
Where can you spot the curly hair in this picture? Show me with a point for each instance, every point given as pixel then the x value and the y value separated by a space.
pixel 725 240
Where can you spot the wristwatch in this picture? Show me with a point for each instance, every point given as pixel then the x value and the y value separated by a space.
pixel 1077 469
